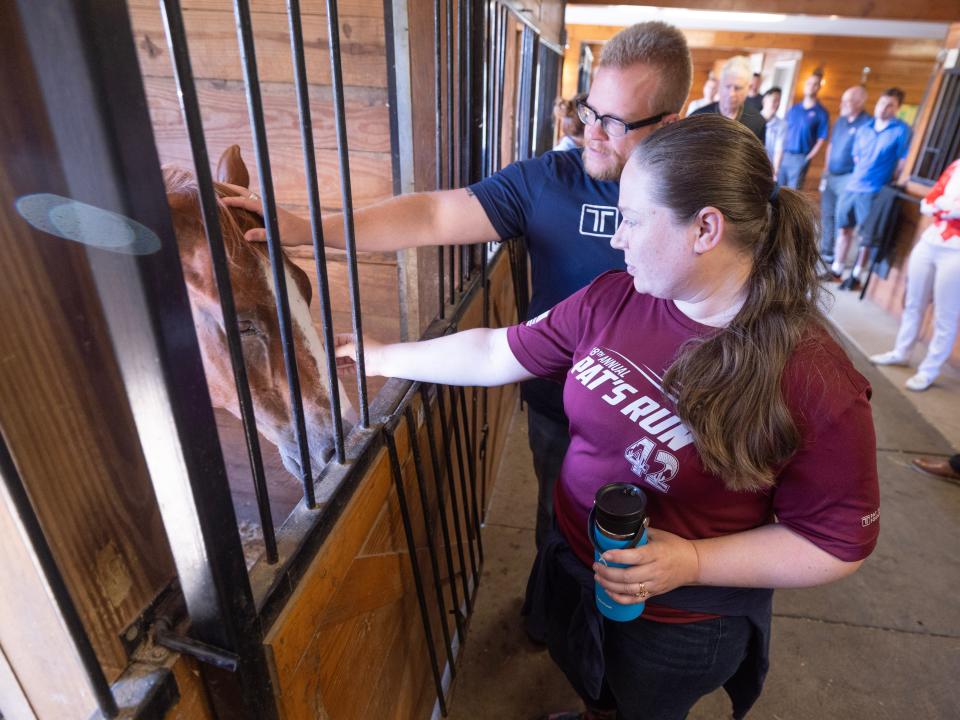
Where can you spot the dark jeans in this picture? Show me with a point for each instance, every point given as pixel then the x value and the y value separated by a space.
pixel 548 444
pixel 651 670
pixel 793 170
pixel 658 671
pixel 834 187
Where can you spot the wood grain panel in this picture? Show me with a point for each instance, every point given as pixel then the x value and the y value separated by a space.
pixel 64 414
pixel 212 39
pixel 225 119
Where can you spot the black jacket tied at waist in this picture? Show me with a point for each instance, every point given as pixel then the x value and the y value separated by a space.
pixel 573 628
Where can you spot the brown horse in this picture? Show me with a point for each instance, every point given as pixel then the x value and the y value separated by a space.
pixel 252 282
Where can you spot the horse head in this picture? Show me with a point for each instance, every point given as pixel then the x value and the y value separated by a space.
pixel 252 282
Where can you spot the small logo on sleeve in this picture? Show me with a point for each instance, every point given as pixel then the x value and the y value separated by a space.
pixel 598 220
pixel 538 318
pixel 871 518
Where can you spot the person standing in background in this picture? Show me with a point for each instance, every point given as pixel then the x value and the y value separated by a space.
pixel 839 167
pixel 570 124
pixel 933 274
pixel 880 150
pixel 776 125
pixel 709 95
pixel 808 123
pixel 754 98
pixel 734 79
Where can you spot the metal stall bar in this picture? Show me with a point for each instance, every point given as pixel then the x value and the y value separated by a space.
pixel 523 117
pixel 448 449
pixel 319 252
pixel 438 146
pixel 442 504
pixel 86 64
pixel 412 552
pixel 17 499
pixel 428 527
pixel 463 125
pixel 255 111
pixel 472 468
pixel 333 32
pixel 190 108
pixel 501 75
pixel 451 152
pixel 463 464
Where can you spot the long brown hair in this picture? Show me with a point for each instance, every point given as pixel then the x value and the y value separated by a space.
pixel 728 385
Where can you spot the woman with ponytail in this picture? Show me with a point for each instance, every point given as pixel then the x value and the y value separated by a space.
pixel 705 375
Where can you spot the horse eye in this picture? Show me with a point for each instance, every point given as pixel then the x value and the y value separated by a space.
pixel 247 327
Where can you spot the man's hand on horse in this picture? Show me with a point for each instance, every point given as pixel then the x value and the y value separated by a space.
pixel 294 230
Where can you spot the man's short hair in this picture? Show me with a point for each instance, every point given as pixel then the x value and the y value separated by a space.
pixel 738 65
pixel 897 93
pixel 774 89
pixel 661 46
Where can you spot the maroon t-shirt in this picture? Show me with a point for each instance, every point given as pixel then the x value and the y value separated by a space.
pixel 610 345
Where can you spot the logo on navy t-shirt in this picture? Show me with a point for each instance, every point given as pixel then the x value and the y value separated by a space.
pixel 598 220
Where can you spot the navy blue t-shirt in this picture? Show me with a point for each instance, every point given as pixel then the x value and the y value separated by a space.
pixel 567 219
pixel 840 161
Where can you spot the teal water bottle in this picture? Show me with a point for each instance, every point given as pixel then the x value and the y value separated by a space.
pixel 618 520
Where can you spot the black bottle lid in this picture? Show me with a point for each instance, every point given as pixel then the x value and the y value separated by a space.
pixel 621 508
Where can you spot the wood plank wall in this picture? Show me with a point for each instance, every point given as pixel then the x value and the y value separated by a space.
pixel 216 65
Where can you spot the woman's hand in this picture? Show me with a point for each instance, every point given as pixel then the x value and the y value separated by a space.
pixel 294 230
pixel 345 350
pixel 666 562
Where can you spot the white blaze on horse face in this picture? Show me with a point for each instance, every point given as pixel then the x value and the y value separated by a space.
pixel 300 316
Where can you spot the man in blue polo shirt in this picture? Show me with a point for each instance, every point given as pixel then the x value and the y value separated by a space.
pixel 879 153
pixel 808 123
pixel 839 164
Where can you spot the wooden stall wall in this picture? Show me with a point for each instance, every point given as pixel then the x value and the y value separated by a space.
pixel 215 57
pixel 889 293
pixel 349 643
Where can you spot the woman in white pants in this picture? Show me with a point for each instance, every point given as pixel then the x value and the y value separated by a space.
pixel 933 272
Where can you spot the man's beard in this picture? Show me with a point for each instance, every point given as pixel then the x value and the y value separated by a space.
pixel 608 171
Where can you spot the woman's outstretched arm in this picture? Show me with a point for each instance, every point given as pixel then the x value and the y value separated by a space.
pixel 473 357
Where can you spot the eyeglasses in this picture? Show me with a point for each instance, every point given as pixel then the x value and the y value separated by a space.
pixel 612 125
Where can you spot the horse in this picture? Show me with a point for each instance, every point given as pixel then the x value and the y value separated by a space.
pixel 252 282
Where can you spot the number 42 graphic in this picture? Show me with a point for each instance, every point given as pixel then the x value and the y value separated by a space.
pixel 638 455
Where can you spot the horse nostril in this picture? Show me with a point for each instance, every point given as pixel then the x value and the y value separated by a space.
pixel 327 454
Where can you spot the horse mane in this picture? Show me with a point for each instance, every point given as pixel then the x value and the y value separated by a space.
pixel 183 194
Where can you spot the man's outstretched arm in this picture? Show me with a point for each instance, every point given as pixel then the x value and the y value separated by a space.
pixel 445 217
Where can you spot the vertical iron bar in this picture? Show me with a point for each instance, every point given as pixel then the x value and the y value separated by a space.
pixel 469 513
pixel 17 497
pixel 449 441
pixel 316 224
pixel 451 146
pixel 428 527
pixel 336 72
pixel 255 110
pixel 438 145
pixel 417 579
pixel 505 35
pixel 472 467
pixel 441 502
pixel 190 108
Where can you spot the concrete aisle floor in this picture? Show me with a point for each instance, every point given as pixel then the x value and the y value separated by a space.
pixel 884 643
